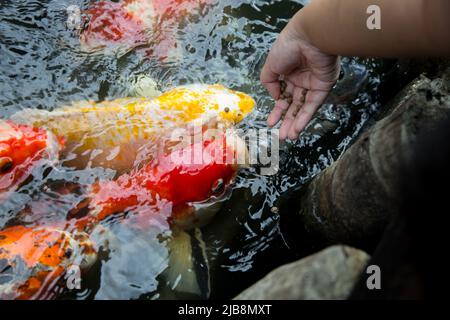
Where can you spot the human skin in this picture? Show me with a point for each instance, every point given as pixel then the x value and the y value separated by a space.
pixel 306 53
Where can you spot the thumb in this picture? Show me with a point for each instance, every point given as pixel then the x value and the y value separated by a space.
pixel 270 80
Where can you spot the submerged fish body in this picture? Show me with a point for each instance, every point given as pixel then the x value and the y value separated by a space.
pixel 37 259
pixel 34 260
pixel 22 147
pixel 111 134
pixel 112 24
pixel 132 23
pixel 173 180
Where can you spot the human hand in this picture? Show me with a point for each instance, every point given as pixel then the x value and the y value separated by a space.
pixel 308 74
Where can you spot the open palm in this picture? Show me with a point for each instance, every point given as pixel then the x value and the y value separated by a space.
pixel 309 75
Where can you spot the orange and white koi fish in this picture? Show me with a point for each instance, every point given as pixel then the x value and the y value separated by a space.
pixel 111 134
pixel 34 260
pixel 132 23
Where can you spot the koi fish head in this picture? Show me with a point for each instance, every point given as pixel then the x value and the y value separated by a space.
pixel 197 176
pixel 203 103
pixel 200 170
pixel 21 146
pixel 33 261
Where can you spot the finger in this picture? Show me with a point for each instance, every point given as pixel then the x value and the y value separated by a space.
pixel 278 110
pixel 298 95
pixel 285 126
pixel 281 105
pixel 288 120
pixel 313 101
pixel 289 88
pixel 270 80
pixel 298 101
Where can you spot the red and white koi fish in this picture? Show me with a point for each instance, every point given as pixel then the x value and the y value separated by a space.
pixel 131 23
pixel 22 147
pixel 175 180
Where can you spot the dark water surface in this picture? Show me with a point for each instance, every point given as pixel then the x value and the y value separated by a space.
pixel 42 66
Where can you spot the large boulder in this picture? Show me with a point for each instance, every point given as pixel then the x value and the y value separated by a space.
pixel 328 274
pixel 353 200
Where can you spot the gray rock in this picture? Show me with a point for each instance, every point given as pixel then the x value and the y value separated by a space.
pixel 328 274
pixel 352 201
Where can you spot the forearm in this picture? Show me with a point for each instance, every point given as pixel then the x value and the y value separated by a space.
pixel 408 27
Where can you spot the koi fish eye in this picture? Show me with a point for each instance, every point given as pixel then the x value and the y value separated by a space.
pixel 218 187
pixel 68 253
pixel 6 163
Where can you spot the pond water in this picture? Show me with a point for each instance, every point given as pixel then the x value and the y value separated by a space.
pixel 42 66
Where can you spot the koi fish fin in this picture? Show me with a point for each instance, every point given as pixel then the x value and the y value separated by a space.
pixel 144 86
pixel 188 272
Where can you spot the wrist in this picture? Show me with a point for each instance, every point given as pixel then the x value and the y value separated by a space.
pixel 296 29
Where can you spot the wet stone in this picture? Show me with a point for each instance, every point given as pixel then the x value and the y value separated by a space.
pixel 328 274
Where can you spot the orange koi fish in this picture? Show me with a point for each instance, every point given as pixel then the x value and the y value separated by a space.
pixel 34 260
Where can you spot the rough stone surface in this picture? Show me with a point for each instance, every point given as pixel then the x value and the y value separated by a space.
pixel 328 274
pixel 353 200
